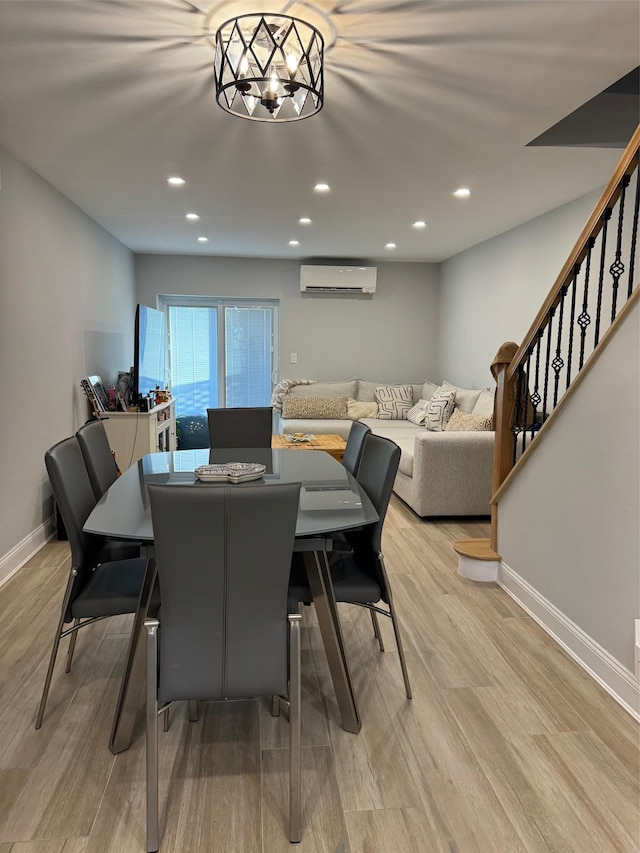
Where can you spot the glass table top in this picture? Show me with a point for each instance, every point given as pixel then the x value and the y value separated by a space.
pixel 330 497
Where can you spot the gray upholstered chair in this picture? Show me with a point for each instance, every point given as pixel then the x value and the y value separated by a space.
pixel 359 575
pixel 94 589
pixel 240 427
pixel 354 447
pixel 223 555
pixel 97 455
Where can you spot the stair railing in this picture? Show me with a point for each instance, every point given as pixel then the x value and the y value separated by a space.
pixel 594 285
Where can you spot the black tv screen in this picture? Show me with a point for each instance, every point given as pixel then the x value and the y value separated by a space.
pixel 149 364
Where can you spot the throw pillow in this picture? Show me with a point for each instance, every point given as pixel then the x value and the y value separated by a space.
pixel 463 422
pixel 439 409
pixel 357 410
pixel 418 414
pixel 324 408
pixel 429 388
pixel 394 401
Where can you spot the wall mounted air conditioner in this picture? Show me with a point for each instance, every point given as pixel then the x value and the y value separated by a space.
pixel 337 279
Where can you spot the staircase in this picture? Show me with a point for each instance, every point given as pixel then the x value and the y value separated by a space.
pixel 576 368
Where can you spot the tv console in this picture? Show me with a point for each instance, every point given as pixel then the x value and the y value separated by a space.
pixel 134 434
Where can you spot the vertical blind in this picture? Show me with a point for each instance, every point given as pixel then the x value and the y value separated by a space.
pixel 221 352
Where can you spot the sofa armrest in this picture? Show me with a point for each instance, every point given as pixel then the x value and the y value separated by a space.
pixel 456 462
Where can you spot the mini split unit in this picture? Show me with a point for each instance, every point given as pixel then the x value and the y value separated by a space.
pixel 343 279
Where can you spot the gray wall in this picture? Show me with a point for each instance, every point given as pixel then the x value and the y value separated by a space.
pixel 390 336
pixel 569 523
pixel 492 292
pixel 66 310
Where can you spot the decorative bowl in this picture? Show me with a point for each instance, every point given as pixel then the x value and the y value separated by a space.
pixel 230 472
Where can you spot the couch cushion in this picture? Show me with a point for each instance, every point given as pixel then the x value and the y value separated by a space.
pixel 466 398
pixel 391 428
pixel 344 388
pixel 484 403
pixel 356 410
pixel 315 407
pixel 394 401
pixel 440 408
pixel 464 422
pixel 406 446
pixel 366 390
pixel 428 389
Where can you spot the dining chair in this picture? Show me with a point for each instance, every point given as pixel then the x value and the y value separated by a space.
pixel 98 458
pixel 359 575
pixel 354 447
pixel 94 589
pixel 223 555
pixel 240 427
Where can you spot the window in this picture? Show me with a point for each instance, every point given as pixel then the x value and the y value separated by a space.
pixel 222 352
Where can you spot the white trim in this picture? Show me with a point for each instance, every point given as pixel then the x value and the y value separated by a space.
pixel 23 551
pixel 616 679
pixel 483 571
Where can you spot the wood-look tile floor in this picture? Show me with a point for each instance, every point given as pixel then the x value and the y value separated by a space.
pixel 507 745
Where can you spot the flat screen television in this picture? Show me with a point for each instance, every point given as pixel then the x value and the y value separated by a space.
pixel 150 355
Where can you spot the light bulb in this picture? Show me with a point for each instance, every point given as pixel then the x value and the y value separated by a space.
pixel 244 64
pixel 292 63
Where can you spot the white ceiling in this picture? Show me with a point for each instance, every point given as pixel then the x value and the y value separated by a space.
pixel 106 99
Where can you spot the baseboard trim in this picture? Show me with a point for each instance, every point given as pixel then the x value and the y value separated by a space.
pixel 24 550
pixel 616 679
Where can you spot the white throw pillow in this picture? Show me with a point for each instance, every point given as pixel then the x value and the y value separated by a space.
pixel 484 403
pixel 356 409
pixel 418 414
pixel 440 408
pixel 394 401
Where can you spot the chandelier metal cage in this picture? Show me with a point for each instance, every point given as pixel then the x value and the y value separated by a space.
pixel 269 68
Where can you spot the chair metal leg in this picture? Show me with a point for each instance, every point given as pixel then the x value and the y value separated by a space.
pixel 295 766
pixel 275 706
pixel 376 629
pixel 396 627
pixel 153 841
pixel 193 710
pixel 165 720
pixel 54 651
pixel 72 645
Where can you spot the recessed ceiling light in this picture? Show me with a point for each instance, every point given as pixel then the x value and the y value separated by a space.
pixel 203 239
pixel 191 216
pixel 304 220
pixel 462 192
pixel 294 242
pixel 390 246
pixel 419 224
pixel 176 181
pixel 322 188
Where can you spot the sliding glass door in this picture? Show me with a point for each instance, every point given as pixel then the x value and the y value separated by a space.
pixel 222 352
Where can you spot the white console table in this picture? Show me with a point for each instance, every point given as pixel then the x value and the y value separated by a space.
pixel 134 434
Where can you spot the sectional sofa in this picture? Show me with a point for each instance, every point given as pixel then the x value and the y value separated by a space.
pixel 441 473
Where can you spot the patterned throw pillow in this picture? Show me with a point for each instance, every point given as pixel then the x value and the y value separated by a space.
pixel 315 407
pixel 463 422
pixel 357 409
pixel 439 409
pixel 394 401
pixel 418 414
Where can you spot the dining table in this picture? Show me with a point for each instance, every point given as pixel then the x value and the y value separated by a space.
pixel 331 500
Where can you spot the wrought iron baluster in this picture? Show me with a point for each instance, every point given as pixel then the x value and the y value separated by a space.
pixel 547 363
pixel 606 216
pixel 527 399
pixel 617 267
pixel 535 397
pixel 515 428
pixel 584 319
pixel 558 362
pixel 634 233
pixel 572 321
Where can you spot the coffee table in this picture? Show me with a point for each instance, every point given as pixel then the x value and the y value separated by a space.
pixel 332 444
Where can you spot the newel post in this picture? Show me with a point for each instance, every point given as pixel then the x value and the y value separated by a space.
pixel 502 417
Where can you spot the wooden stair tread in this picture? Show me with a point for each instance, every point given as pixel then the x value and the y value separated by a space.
pixel 476 549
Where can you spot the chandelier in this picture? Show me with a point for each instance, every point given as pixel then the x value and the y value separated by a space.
pixel 269 68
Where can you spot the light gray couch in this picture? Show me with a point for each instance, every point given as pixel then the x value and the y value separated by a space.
pixel 440 473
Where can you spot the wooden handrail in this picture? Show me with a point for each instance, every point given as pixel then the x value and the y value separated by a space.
pixel 627 165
